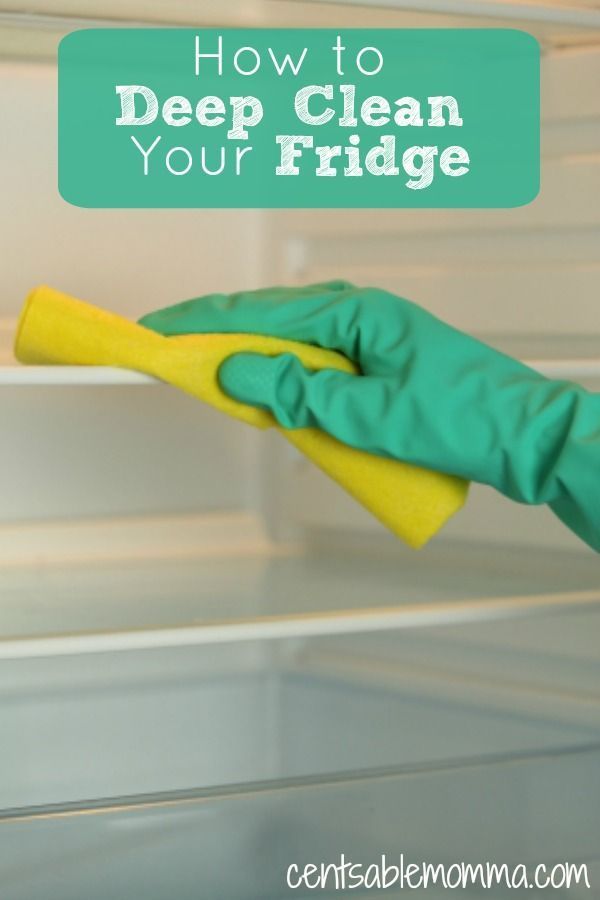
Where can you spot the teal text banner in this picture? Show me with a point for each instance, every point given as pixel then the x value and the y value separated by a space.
pixel 318 118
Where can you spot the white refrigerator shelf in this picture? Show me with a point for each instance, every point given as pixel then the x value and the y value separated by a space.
pixel 15 375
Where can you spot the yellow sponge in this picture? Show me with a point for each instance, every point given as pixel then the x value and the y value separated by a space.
pixel 54 328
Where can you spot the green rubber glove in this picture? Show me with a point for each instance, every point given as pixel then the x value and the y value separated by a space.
pixel 428 394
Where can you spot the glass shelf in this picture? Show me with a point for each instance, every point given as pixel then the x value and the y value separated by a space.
pixel 185 718
pixel 70 608
pixel 317 723
pixel 239 844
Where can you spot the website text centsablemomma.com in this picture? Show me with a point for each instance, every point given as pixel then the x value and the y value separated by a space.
pixel 346 874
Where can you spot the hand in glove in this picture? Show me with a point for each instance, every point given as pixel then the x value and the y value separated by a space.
pixel 428 394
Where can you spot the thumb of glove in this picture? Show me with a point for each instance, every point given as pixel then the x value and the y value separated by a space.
pixel 278 384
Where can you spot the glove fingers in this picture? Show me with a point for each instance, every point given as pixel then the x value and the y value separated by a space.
pixel 349 407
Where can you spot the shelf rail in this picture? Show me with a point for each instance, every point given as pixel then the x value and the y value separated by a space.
pixel 293 626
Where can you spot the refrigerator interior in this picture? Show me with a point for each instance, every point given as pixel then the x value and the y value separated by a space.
pixel 134 773
pixel 212 662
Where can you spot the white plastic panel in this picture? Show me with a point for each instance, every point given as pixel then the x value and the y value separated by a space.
pixel 106 451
